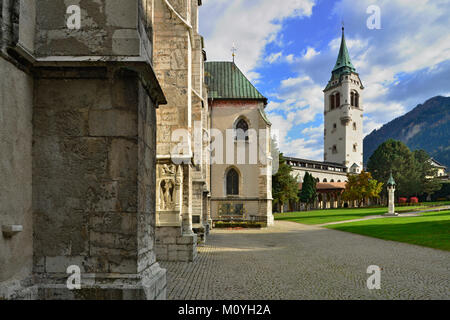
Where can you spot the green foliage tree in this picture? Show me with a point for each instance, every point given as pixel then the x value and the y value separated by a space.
pixel 427 185
pixel 395 156
pixel 362 187
pixel 308 194
pixel 284 185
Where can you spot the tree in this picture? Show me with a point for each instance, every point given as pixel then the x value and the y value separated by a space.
pixel 361 187
pixel 308 194
pixel 284 185
pixel 395 156
pixel 411 170
pixel 427 184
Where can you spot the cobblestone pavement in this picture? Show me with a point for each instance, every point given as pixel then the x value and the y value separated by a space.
pixel 295 261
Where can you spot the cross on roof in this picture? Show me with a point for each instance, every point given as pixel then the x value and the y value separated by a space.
pixel 233 50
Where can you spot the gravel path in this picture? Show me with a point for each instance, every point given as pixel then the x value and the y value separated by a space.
pixel 295 261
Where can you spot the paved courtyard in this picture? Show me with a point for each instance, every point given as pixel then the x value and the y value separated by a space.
pixel 295 261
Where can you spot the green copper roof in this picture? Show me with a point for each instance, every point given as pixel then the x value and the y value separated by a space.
pixel 391 181
pixel 343 62
pixel 226 81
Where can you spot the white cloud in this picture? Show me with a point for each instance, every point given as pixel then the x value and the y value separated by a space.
pixel 310 53
pixel 251 25
pixel 274 57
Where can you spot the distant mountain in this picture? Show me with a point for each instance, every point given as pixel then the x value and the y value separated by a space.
pixel 426 127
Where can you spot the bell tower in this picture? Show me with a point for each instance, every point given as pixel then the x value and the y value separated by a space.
pixel 344 114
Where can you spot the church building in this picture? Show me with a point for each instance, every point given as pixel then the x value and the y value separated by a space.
pixel 241 175
pixel 343 133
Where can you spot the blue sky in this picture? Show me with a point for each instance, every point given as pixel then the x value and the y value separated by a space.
pixel 289 47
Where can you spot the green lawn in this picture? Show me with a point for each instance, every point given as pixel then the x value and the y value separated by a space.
pixel 333 215
pixel 430 229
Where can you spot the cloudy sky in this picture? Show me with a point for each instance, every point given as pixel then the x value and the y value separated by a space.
pixel 289 47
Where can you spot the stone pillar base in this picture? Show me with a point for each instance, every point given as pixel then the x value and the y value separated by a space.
pixel 18 290
pixel 172 245
pixel 395 214
pixel 151 285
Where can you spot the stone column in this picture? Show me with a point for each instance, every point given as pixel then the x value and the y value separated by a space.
pixel 391 196
pixel 94 183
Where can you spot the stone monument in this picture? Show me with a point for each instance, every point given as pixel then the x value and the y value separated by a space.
pixel 391 191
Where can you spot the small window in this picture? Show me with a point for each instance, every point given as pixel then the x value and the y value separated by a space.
pixel 332 180
pixel 325 180
pixel 338 100
pixel 334 149
pixel 354 126
pixel 355 148
pixel 232 183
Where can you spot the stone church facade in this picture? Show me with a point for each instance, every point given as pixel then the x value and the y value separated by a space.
pixel 183 184
pixel 77 151
pixel 105 135
pixel 241 166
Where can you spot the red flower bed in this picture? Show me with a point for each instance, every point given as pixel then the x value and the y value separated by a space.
pixel 402 200
pixel 413 200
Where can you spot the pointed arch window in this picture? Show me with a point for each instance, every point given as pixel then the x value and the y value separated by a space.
pixel 242 130
pixel 232 182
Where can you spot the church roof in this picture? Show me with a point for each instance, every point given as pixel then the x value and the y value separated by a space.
pixel 343 62
pixel 226 81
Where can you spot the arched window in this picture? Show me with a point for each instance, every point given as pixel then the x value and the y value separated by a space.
pixel 242 130
pixel 356 99
pixel 352 98
pixel 332 104
pixel 332 180
pixel 325 180
pixel 338 100
pixel 232 183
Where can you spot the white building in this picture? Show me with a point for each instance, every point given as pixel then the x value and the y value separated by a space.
pixel 344 114
pixel 343 133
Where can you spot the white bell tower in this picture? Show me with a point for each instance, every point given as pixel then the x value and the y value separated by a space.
pixel 344 114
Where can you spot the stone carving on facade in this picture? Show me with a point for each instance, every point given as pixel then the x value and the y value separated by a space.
pixel 170 179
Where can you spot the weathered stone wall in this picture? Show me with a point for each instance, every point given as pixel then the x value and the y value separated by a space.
pixel 178 62
pixel 16 105
pixel 108 27
pixel 94 181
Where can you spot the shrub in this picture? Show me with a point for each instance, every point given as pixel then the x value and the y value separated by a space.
pixel 244 224
pixel 402 200
pixel 413 200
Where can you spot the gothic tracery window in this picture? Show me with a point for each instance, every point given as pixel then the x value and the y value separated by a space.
pixel 242 130
pixel 232 182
